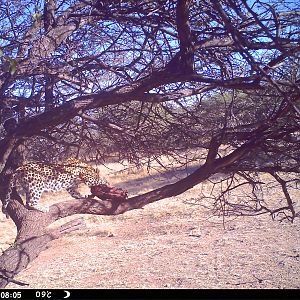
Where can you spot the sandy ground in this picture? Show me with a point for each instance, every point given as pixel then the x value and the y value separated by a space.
pixel 168 244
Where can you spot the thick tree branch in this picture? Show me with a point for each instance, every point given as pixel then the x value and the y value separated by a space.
pixel 185 59
pixel 33 238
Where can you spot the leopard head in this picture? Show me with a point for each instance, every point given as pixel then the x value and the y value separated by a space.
pixel 91 176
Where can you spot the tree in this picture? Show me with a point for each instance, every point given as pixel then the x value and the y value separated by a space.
pixel 214 81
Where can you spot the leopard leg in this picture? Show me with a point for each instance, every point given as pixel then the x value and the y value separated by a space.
pixel 74 193
pixel 32 200
pixel 7 199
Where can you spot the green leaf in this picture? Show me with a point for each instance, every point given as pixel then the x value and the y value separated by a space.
pixel 12 65
pixel 13 69
pixel 36 16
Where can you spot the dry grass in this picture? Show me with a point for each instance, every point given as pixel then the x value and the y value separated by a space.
pixel 168 244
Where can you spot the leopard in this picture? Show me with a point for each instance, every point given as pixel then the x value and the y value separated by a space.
pixel 37 177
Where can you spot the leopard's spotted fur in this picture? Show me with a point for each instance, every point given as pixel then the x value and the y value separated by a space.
pixel 35 178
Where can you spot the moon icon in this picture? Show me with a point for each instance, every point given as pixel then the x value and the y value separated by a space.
pixel 68 294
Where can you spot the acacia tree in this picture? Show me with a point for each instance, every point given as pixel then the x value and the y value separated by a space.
pixel 216 82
